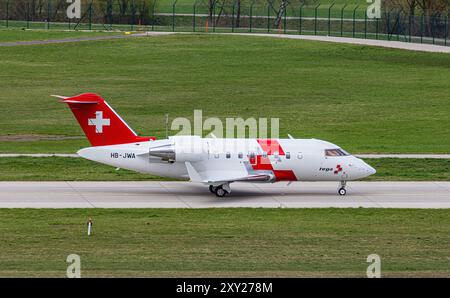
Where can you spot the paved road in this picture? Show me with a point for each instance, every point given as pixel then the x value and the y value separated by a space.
pixel 189 195
pixel 359 41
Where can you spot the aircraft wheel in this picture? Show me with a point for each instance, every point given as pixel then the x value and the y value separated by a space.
pixel 212 189
pixel 220 192
pixel 342 191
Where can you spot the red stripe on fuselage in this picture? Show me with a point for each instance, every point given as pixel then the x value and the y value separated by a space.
pixel 285 175
pixel 271 146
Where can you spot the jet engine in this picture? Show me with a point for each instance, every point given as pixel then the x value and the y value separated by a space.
pixel 181 149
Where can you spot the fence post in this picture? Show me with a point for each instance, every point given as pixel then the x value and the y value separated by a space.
pixel 193 17
pixel 377 27
pixel 421 27
pixel 329 18
pixel 28 15
pixel 110 8
pixel 315 19
pixel 388 25
pixel 446 29
pixel 232 17
pixel 399 18
pixel 153 15
pixel 300 19
pixel 7 13
pixel 268 17
pixel 251 15
pixel 49 7
pixel 432 28
pixel 354 19
pixel 409 27
pixel 173 15
pixel 213 19
pixel 365 25
pixel 133 14
pixel 342 18
pixel 284 21
pixel 90 15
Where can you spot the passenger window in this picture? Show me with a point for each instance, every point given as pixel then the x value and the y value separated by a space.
pixel 216 155
pixel 264 154
pixel 288 155
pixel 299 155
pixel 240 155
pixel 228 155
pixel 251 154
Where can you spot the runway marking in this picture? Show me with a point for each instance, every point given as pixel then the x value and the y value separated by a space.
pixel 79 193
pixel 180 199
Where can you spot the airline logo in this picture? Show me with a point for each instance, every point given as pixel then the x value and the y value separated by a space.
pixel 99 122
pixel 338 169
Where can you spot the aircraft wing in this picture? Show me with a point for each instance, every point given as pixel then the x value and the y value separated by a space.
pixel 218 177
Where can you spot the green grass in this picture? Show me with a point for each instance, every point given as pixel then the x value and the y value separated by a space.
pixel 78 169
pixel 365 99
pixel 395 169
pixel 225 242
pixel 29 35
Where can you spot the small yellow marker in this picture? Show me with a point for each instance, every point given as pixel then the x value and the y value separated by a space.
pixel 127 33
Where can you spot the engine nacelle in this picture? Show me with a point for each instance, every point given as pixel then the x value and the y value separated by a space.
pixel 181 149
pixel 189 148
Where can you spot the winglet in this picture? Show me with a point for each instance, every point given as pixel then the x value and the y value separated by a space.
pixel 193 174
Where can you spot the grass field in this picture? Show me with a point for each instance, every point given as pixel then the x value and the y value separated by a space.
pixel 225 242
pixel 28 35
pixel 363 98
pixel 78 169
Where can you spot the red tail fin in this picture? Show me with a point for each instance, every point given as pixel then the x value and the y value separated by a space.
pixel 101 124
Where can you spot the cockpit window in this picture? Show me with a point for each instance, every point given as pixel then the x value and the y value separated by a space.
pixel 335 152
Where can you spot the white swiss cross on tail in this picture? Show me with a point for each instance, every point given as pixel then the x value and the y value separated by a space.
pixel 99 122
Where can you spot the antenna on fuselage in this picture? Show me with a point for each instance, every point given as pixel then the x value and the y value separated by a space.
pixel 290 137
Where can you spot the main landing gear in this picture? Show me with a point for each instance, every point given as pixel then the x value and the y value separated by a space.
pixel 220 190
pixel 342 191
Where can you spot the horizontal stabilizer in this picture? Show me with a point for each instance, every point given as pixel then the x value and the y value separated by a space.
pixel 60 97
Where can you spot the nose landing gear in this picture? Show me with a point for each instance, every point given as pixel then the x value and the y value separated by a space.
pixel 342 191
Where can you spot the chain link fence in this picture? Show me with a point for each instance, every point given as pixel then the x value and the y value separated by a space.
pixel 242 16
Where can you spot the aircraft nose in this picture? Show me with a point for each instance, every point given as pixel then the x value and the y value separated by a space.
pixel 370 170
pixel 367 169
pixel 363 169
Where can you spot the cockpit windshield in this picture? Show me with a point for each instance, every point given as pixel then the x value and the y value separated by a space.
pixel 335 152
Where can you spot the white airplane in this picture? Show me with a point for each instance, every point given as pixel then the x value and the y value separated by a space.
pixel 212 161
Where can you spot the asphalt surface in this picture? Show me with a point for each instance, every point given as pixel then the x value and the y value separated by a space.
pixel 190 195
